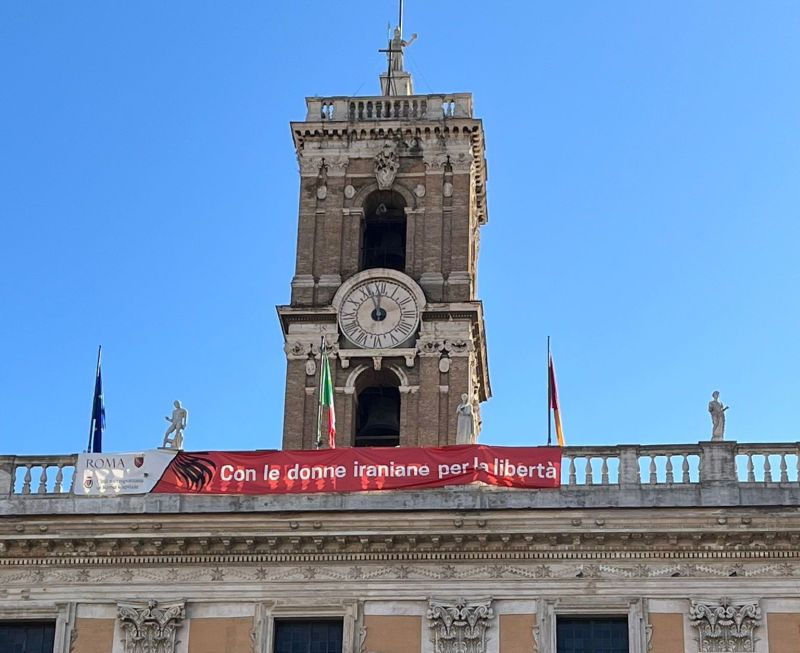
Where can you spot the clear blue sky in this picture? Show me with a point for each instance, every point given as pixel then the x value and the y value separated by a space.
pixel 643 188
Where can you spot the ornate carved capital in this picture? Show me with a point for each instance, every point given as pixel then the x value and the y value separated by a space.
pixel 297 350
pixel 434 162
pixel 429 346
pixel 322 166
pixel 725 625
pixel 459 626
pixel 150 627
pixel 459 346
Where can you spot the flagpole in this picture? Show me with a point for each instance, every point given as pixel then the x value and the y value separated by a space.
pixel 94 399
pixel 319 395
pixel 549 396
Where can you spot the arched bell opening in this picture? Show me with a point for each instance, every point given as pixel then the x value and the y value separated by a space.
pixel 377 410
pixel 383 234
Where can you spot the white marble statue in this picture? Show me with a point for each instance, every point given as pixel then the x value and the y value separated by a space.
pixel 177 424
pixel 465 421
pixel 396 49
pixel 717 411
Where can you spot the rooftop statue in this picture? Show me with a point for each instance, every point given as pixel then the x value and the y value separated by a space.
pixel 177 424
pixel 717 411
pixel 396 49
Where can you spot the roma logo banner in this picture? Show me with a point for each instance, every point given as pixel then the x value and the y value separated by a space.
pixel 360 469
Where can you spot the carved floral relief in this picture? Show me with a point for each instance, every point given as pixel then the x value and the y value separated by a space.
pixel 725 626
pixel 460 626
pixel 150 627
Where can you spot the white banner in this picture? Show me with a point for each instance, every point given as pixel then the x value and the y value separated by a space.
pixel 98 474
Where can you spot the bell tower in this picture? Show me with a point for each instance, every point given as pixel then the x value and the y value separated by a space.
pixel 392 198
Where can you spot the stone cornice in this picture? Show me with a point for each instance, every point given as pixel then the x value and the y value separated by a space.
pixel 520 535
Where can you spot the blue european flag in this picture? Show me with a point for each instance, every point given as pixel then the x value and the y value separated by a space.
pixel 98 423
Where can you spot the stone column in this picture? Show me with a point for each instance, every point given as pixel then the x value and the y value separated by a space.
pixel 303 281
pixel 429 246
pixel 459 234
pixel 427 422
pixel 351 241
pixel 294 401
pixel 409 435
pixel 345 401
pixel 718 481
pixel 6 476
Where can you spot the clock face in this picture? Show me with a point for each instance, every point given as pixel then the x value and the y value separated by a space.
pixel 378 314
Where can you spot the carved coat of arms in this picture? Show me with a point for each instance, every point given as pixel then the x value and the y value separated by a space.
pixel 387 163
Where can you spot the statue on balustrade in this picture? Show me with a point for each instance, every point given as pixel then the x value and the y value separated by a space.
pixel 717 411
pixel 177 424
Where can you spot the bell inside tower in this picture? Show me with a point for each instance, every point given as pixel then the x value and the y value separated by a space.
pixel 383 243
pixel 377 422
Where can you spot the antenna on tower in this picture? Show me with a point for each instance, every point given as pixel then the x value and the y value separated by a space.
pixel 400 20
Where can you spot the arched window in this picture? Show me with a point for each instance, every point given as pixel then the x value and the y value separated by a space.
pixel 383 237
pixel 377 410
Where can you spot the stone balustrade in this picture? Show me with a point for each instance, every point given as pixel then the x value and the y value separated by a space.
pixel 381 108
pixel 622 466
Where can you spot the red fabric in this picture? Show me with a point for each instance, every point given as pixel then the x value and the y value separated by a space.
pixel 357 469
pixel 553 387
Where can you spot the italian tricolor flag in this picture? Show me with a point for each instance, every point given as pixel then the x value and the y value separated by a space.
pixel 326 402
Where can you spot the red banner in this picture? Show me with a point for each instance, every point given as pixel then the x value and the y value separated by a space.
pixel 360 469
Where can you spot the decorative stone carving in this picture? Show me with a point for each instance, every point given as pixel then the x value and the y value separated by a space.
pixel 447 189
pixel 460 626
pixel 419 190
pixel 435 162
pixel 444 364
pixel 459 347
pixel 297 350
pixel 725 626
pixel 349 191
pixel 322 192
pixel 150 627
pixel 387 163
pixel 428 346
pixel 311 366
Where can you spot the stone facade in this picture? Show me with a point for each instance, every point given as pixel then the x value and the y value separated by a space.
pixel 495 568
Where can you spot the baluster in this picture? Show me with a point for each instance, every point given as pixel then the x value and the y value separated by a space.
pixel 424 106
pixel 573 477
pixel 26 481
pixel 797 467
pixel 59 478
pixel 751 472
pixel 653 476
pixel 589 479
pixel 784 469
pixel 42 489
pixel 685 468
pixel 604 471
pixel 767 469
pixel 670 479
